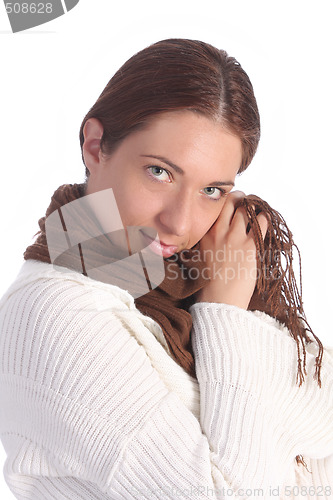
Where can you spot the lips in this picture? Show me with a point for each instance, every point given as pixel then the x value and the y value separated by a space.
pixel 160 248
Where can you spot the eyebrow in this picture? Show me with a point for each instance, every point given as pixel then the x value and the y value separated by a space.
pixel 182 172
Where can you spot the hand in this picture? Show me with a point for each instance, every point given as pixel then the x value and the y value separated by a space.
pixel 229 252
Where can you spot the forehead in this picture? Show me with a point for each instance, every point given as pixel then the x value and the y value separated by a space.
pixel 188 139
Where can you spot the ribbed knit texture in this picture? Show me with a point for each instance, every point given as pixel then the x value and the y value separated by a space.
pixel 93 407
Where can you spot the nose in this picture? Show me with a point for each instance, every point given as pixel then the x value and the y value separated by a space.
pixel 176 215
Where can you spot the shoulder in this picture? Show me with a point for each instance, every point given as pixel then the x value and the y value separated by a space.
pixel 45 302
pixel 43 292
pixel 62 331
pixel 38 278
pixel 60 314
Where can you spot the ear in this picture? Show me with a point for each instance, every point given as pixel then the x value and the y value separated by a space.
pixel 92 132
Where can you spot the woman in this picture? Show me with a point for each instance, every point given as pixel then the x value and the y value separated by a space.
pixel 180 391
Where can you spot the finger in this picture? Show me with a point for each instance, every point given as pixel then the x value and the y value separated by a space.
pixel 263 225
pixel 228 210
pixel 243 211
pixel 253 208
pixel 240 221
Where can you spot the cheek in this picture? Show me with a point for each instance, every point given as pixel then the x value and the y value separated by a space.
pixel 202 226
pixel 137 207
pixel 205 223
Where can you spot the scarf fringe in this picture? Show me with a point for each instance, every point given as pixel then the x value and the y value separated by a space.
pixel 276 286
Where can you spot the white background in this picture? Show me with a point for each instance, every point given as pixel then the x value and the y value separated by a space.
pixel 52 74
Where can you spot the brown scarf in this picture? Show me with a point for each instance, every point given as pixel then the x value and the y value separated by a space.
pixel 276 291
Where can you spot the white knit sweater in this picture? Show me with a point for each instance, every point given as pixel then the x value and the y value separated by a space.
pixel 93 407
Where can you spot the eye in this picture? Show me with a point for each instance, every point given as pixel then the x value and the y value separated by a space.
pixel 215 191
pixel 159 173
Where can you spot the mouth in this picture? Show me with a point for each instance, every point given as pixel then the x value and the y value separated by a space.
pixel 160 248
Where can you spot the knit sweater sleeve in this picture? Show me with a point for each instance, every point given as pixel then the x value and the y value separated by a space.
pixel 85 414
pixel 261 419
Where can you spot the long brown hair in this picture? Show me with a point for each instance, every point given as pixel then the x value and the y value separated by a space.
pixel 178 74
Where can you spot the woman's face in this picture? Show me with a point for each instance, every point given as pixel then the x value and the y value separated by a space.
pixel 173 175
